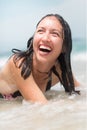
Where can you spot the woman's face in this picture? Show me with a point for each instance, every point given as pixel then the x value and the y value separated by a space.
pixel 48 40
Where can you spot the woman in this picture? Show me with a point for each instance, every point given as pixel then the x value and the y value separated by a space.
pixel 45 62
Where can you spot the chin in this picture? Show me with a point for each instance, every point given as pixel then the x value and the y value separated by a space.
pixel 43 60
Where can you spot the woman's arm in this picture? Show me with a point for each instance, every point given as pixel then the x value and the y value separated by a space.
pixel 30 90
pixel 28 87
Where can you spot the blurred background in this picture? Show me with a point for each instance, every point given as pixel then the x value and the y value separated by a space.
pixel 18 19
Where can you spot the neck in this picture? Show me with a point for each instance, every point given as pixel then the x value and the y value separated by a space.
pixel 43 77
pixel 41 71
pixel 43 68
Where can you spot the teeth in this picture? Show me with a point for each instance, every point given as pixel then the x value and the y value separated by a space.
pixel 45 47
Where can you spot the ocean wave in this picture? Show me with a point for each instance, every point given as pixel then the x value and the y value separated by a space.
pixel 3 60
pixel 80 56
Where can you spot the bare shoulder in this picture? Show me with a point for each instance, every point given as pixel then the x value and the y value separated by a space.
pixel 9 71
pixel 9 67
pixel 14 70
pixel 12 66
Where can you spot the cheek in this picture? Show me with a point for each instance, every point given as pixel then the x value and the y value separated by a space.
pixel 58 49
pixel 58 45
pixel 34 42
pixel 34 46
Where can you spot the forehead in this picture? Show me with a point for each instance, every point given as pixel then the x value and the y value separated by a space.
pixel 50 21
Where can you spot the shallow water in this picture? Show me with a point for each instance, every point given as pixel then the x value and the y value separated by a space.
pixel 62 112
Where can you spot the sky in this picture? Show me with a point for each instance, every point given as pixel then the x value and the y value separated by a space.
pixel 18 19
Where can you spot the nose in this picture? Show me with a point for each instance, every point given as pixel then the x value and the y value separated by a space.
pixel 46 37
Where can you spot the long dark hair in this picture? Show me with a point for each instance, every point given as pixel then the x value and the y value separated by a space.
pixel 66 77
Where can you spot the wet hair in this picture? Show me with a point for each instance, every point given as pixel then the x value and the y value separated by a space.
pixel 66 77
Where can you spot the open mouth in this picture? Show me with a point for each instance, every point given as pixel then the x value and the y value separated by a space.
pixel 45 48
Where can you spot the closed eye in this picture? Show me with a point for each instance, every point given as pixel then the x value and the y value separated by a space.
pixel 56 34
pixel 40 30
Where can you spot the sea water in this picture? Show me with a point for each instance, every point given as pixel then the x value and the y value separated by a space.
pixel 63 112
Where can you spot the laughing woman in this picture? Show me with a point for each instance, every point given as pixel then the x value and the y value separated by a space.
pixel 45 62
